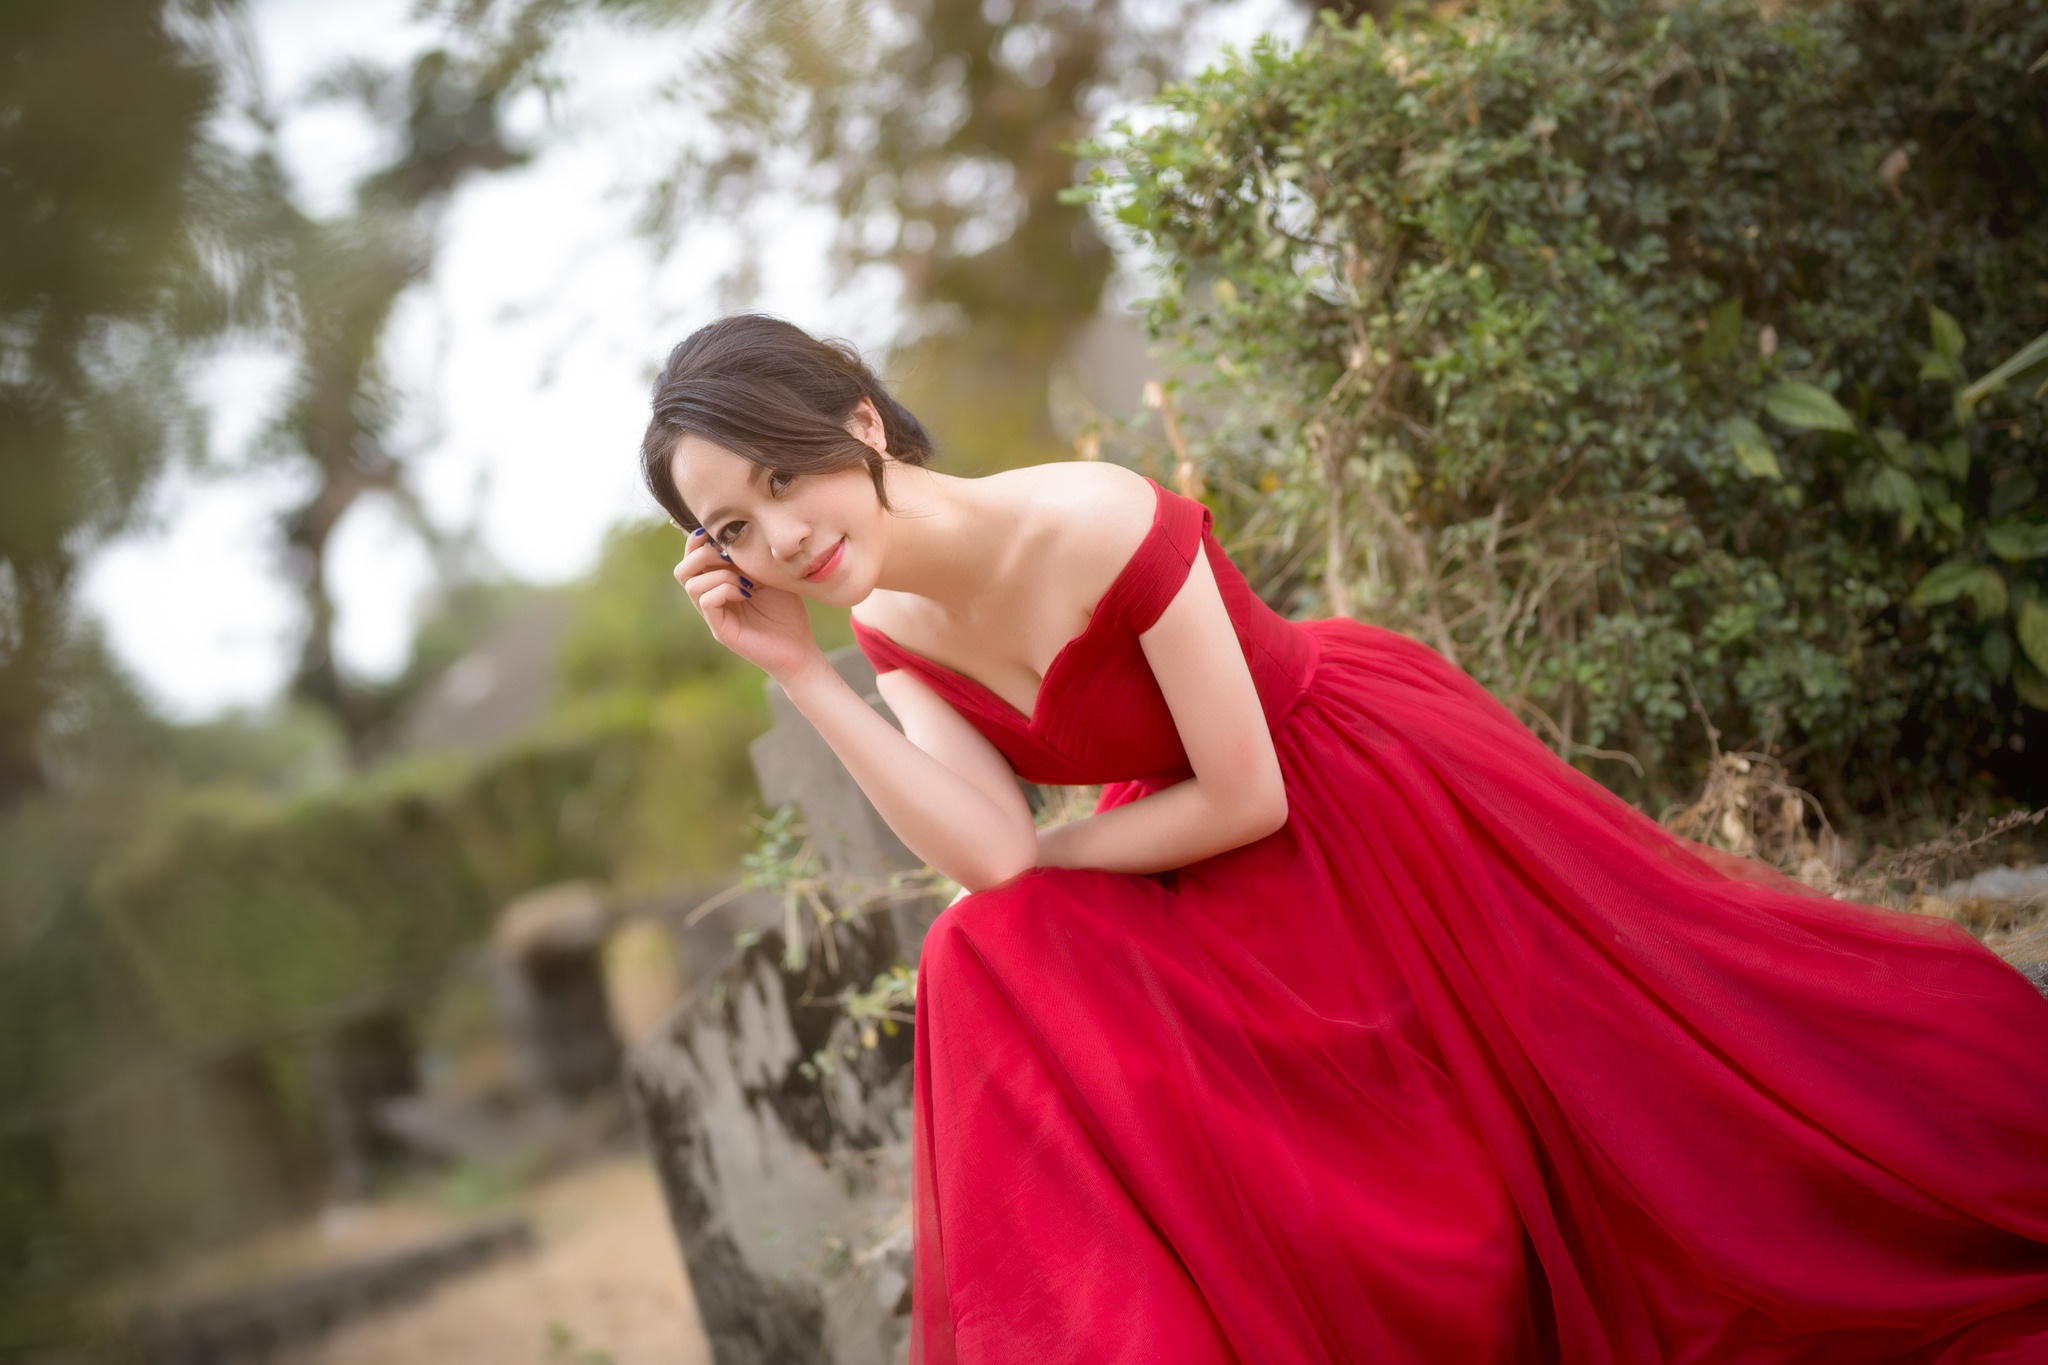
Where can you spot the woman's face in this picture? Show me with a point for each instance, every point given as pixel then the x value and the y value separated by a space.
pixel 821 536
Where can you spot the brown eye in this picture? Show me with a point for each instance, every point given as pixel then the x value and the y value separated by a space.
pixel 779 480
pixel 730 532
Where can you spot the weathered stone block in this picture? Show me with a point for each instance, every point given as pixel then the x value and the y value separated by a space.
pixel 787 1174
pixel 787 1181
pixel 548 975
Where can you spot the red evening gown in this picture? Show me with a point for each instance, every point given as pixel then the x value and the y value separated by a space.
pixel 1470 1062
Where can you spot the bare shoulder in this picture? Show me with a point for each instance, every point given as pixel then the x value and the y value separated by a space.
pixel 1077 524
pixel 1094 512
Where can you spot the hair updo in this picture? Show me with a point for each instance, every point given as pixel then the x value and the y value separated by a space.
pixel 775 396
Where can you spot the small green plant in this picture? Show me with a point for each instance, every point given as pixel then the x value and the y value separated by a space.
pixel 482 1183
pixel 814 904
pixel 565 1349
pixel 783 862
pixel 865 1018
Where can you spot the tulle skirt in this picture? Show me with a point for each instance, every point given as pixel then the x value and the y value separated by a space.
pixel 1471 1062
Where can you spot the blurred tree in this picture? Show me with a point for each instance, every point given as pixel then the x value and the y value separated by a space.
pixel 113 258
pixel 941 134
pixel 344 276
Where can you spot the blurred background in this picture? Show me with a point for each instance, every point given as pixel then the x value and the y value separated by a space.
pixel 339 662
pixel 332 615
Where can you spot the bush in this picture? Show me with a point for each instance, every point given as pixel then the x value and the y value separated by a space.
pixel 219 916
pixel 1612 348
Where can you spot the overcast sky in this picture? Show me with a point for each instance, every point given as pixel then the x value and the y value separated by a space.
pixel 528 354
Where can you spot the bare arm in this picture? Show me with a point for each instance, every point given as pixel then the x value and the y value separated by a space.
pixel 1236 795
pixel 945 790
pixel 951 797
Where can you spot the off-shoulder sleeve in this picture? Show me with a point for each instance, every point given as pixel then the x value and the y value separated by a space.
pixel 884 653
pixel 1161 564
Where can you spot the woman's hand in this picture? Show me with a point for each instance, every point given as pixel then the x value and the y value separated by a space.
pixel 767 627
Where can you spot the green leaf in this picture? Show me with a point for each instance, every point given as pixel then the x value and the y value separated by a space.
pixel 1955 457
pixel 2030 684
pixel 1724 331
pixel 1893 443
pixel 2017 540
pixel 1753 449
pixel 1943 583
pixel 1939 367
pixel 2011 489
pixel 1958 578
pixel 2026 358
pixel 1947 335
pixel 1806 407
pixel 2031 625
pixel 1987 594
pixel 1894 489
pixel 1997 652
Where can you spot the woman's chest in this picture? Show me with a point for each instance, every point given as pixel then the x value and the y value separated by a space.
pixel 1006 646
pixel 1100 717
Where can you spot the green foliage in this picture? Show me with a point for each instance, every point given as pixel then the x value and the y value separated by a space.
pixel 864 1018
pixel 814 904
pixel 191 899
pixel 634 629
pixel 338 281
pixel 1990 563
pixel 564 1348
pixel 108 268
pixel 220 915
pixel 1613 348
pixel 939 136
pixel 225 916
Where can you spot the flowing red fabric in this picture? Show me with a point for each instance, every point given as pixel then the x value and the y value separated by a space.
pixel 1470 1062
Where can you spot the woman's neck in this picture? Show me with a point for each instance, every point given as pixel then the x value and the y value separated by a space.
pixel 949 537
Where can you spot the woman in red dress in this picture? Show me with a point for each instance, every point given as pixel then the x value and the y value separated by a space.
pixel 1354 1025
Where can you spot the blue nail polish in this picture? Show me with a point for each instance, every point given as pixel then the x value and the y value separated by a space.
pixel 745 593
pixel 724 556
pixel 698 532
pixel 746 582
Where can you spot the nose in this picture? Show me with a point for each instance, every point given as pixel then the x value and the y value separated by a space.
pixel 787 536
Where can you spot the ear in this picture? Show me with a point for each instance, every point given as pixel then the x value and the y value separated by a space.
pixel 866 426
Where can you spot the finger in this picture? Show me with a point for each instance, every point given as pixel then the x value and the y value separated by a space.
pixel 693 568
pixel 700 560
pixel 701 586
pixel 722 599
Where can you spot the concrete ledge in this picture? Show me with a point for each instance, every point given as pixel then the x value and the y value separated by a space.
pixel 254 1324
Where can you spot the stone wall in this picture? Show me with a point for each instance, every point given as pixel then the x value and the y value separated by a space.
pixel 788 1180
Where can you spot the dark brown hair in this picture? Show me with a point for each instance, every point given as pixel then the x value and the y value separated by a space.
pixel 777 397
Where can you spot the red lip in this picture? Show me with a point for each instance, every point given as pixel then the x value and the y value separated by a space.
pixel 823 566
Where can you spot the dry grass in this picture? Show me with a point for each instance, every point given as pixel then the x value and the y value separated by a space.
pixel 1750 807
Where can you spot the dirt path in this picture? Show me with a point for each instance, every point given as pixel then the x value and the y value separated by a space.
pixel 604 1286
